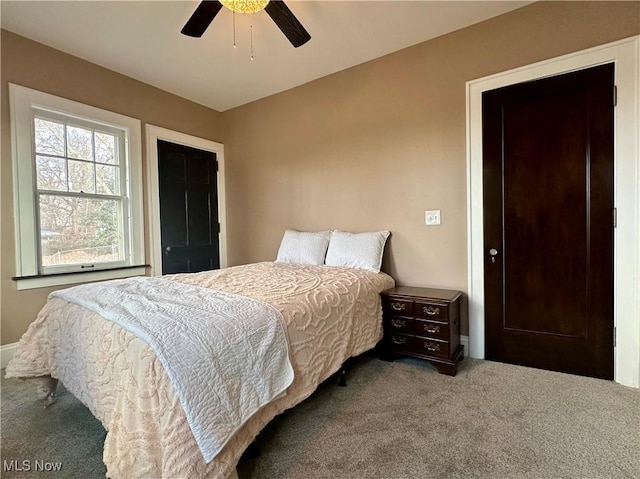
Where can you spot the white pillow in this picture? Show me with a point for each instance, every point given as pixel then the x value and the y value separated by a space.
pixel 357 250
pixel 303 247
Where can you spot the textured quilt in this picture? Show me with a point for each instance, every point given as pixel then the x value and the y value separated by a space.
pixel 330 314
pixel 226 355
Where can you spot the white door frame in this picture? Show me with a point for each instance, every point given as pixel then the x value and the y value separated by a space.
pixel 626 55
pixel 153 134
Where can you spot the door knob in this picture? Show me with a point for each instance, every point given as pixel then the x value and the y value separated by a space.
pixel 493 252
pixel 167 249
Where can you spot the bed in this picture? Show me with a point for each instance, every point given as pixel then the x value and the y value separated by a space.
pixel 330 314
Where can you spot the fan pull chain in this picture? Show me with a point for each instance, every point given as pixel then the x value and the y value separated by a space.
pixel 251 42
pixel 234 29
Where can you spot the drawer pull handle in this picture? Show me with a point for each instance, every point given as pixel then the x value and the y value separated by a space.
pixel 429 328
pixel 398 340
pixel 430 310
pixel 398 323
pixel 398 306
pixel 431 346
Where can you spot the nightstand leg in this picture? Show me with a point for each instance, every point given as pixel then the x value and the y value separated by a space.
pixel 450 366
pixel 448 369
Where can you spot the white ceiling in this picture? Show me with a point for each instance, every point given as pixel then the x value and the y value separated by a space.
pixel 142 39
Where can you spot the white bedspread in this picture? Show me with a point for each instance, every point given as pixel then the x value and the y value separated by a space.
pixel 225 354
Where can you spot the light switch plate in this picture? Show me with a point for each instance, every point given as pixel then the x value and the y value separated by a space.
pixel 432 217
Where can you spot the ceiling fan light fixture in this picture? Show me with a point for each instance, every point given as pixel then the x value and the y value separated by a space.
pixel 284 18
pixel 245 6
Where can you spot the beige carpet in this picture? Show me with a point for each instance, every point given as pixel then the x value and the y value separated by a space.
pixel 394 420
pixel 403 420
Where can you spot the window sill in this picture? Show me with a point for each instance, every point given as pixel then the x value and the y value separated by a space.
pixel 46 281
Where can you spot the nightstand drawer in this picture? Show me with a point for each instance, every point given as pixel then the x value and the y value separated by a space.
pixel 432 311
pixel 430 347
pixel 400 342
pixel 399 324
pixel 432 329
pixel 399 307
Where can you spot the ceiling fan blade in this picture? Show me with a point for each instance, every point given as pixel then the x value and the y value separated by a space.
pixel 287 22
pixel 201 18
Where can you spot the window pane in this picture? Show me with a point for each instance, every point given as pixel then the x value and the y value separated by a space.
pixel 52 173
pixel 106 148
pixel 108 179
pixel 80 230
pixel 49 137
pixel 79 143
pixel 81 176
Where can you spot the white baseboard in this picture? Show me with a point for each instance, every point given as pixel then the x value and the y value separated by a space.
pixel 464 340
pixel 6 353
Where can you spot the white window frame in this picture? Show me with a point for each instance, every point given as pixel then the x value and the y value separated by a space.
pixel 25 103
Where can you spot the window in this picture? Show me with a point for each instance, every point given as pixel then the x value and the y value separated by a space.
pixel 79 196
pixel 77 182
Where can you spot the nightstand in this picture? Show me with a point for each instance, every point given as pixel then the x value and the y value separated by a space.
pixel 423 323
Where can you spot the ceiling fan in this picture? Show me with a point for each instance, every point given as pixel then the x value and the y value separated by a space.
pixel 276 9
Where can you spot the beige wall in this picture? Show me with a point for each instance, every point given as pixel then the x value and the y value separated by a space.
pixel 375 146
pixel 369 148
pixel 36 66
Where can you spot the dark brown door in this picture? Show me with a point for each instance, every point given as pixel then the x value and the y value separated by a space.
pixel 188 209
pixel 548 222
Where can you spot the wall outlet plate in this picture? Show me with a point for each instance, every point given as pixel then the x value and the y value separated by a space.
pixel 432 217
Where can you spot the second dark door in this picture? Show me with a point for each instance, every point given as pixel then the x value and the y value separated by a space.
pixel 548 222
pixel 188 209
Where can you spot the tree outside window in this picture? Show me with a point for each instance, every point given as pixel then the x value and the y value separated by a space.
pixel 80 207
